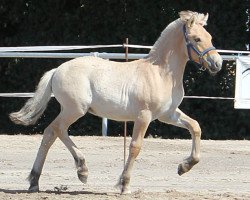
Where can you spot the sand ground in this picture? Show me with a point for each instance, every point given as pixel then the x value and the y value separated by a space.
pixel 223 172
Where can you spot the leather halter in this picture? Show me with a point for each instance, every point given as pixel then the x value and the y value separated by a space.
pixel 197 51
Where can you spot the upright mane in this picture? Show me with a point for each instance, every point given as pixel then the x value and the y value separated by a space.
pixel 162 46
pixel 163 42
pixel 199 18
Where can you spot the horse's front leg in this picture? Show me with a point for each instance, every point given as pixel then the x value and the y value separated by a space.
pixel 139 130
pixel 182 120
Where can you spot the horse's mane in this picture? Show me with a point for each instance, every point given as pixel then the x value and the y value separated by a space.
pixel 198 17
pixel 163 39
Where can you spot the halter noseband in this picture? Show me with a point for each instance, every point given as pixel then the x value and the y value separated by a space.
pixel 191 46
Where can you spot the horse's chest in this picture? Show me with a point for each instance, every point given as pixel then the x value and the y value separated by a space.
pixel 168 100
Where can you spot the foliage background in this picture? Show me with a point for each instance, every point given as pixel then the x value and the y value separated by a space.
pixel 86 22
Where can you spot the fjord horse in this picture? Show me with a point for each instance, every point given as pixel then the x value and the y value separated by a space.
pixel 139 91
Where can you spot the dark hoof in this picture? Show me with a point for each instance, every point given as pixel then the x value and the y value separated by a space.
pixel 181 170
pixel 33 188
pixel 83 178
pixel 125 191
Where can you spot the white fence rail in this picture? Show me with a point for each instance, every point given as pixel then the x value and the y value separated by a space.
pixel 40 52
pixel 46 52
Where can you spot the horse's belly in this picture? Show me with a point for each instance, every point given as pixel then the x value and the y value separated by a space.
pixel 118 110
pixel 113 111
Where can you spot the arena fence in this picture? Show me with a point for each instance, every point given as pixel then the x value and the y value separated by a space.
pixel 49 52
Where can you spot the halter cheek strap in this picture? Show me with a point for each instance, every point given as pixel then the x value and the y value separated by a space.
pixel 191 46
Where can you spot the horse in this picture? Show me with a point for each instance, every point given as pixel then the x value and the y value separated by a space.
pixel 140 91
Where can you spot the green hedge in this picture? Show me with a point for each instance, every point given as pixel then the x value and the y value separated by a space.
pixel 83 22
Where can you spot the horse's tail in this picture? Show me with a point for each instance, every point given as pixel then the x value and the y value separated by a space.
pixel 36 105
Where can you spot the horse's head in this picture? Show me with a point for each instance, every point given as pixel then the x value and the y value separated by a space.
pixel 199 42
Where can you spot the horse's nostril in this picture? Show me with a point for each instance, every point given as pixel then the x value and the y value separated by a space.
pixel 218 65
pixel 216 61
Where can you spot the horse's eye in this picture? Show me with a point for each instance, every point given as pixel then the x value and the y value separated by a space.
pixel 197 39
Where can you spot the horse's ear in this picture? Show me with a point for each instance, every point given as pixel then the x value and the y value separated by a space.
pixel 203 20
pixel 191 21
pixel 206 17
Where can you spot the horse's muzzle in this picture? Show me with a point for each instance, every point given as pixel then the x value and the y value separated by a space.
pixel 214 63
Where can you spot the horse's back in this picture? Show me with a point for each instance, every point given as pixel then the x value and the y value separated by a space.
pixel 110 89
pixel 91 83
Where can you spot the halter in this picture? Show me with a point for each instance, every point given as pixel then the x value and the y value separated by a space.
pixel 191 46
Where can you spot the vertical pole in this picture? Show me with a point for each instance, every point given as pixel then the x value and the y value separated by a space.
pixel 104 126
pixel 126 50
pixel 125 123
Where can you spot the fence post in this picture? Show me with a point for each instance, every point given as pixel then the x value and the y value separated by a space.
pixel 104 127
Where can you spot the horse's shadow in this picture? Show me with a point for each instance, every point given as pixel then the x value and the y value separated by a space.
pixel 56 192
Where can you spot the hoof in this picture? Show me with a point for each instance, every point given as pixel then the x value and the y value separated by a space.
pixel 181 170
pixel 83 178
pixel 125 191
pixel 34 188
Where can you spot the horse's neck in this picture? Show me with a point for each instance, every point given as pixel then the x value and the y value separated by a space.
pixel 168 51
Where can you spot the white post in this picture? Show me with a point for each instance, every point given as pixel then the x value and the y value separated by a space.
pixel 104 127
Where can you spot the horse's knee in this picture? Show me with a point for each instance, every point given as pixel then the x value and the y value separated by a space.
pixel 195 128
pixel 135 149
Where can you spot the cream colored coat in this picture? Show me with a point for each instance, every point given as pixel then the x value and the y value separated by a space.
pixel 139 91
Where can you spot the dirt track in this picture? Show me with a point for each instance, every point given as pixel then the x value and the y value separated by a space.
pixel 223 173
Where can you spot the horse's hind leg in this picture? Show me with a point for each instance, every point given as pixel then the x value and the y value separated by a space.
pixel 82 170
pixel 65 120
pixel 58 128
pixel 48 139
pixel 182 120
